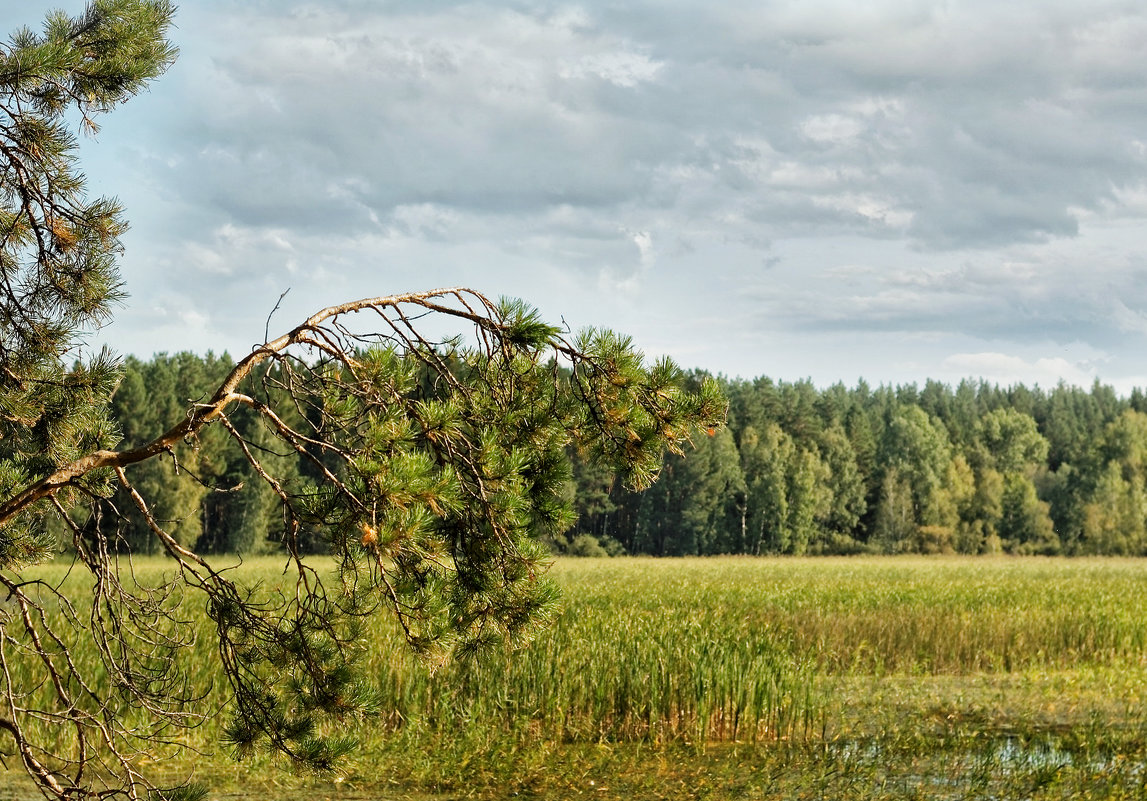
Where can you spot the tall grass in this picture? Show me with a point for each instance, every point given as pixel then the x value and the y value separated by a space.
pixel 735 650
pixel 630 658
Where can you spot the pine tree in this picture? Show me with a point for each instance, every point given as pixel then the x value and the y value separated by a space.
pixel 431 466
pixel 58 248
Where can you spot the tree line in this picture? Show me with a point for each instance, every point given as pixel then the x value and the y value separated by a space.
pixel 797 470
pixel 909 469
pixel 206 491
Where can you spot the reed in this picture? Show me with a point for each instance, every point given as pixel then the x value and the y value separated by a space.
pixel 773 654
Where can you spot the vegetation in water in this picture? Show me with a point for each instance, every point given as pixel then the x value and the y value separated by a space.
pixel 760 678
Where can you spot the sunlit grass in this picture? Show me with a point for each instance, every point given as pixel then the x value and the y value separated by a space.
pixel 873 677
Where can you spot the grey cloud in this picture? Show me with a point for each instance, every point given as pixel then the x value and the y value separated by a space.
pixel 980 124
pixel 1037 296
pixel 957 150
pixel 480 135
pixel 958 129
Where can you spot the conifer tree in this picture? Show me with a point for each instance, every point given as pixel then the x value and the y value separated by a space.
pixel 431 465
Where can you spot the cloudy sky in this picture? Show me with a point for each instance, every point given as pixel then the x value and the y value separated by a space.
pixel 892 190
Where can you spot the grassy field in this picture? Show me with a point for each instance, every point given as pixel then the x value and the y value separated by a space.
pixel 747 678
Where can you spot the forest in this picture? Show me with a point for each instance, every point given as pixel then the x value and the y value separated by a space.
pixel 797 470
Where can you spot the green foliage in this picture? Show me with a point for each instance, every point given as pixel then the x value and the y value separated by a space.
pixel 975 469
pixel 896 521
pixel 917 446
pixel 738 490
pixel 429 469
pixel 844 485
pixel 1025 526
pixel 1011 441
pixel 766 461
pixel 429 473
pixel 694 508
pixel 57 247
pixel 586 545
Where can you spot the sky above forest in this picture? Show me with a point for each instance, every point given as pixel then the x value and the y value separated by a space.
pixel 833 190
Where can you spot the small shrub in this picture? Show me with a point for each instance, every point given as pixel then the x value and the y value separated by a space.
pixel 586 545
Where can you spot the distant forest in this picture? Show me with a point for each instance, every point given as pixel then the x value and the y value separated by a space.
pixel 798 470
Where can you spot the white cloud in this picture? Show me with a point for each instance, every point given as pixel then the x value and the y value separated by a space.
pixel 831 128
pixel 621 69
pixel 824 174
pixel 424 220
pixel 880 211
pixel 1005 369
pixel 645 249
pixel 1128 319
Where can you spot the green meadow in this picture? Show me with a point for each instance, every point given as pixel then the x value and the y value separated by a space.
pixel 743 678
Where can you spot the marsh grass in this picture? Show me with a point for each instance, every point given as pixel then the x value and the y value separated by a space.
pixel 758 678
